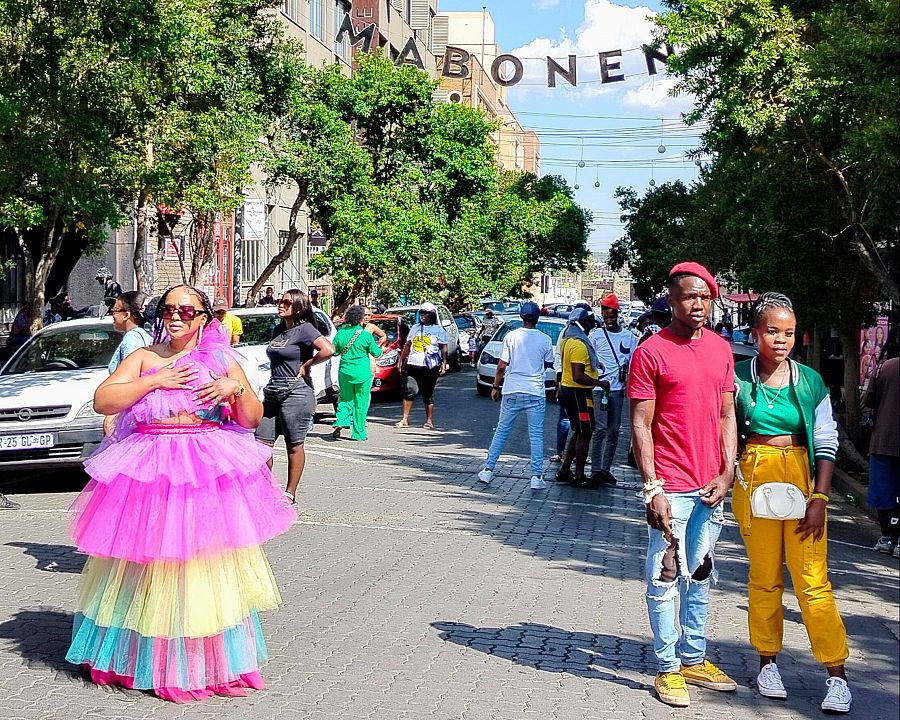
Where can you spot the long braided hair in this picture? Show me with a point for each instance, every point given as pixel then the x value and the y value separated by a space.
pixel 769 301
pixel 158 326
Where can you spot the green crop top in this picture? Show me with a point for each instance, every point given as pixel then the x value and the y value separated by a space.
pixel 783 418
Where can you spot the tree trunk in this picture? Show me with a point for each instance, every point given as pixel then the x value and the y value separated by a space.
pixel 283 254
pixel 37 274
pixel 814 356
pixel 873 261
pixel 849 451
pixel 345 298
pixel 138 258
pixel 203 245
pixel 850 348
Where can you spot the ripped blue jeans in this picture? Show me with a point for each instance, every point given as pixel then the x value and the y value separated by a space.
pixel 687 570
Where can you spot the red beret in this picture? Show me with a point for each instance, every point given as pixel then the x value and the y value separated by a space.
pixel 696 269
pixel 610 301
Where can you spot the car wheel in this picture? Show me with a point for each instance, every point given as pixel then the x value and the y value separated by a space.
pixel 482 390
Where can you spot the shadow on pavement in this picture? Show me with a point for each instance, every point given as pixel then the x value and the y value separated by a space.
pixel 41 637
pixel 53 558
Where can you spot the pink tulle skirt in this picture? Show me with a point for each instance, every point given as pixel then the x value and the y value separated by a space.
pixel 177 493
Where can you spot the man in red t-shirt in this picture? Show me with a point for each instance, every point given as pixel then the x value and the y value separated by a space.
pixel 681 388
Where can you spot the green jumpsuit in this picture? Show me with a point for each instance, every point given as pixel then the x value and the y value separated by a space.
pixel 355 379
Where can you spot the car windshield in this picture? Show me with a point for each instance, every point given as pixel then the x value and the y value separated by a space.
pixel 495 305
pixel 389 325
pixel 464 322
pixel 550 329
pixel 68 348
pixel 257 329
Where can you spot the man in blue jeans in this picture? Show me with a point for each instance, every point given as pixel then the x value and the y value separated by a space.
pixel 614 345
pixel 525 355
pixel 681 387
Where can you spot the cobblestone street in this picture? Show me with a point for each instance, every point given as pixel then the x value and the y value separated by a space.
pixel 412 591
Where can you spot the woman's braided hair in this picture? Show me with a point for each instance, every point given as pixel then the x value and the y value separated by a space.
pixel 158 327
pixel 770 301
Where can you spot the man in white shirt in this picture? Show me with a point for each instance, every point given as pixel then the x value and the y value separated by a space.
pixel 526 353
pixel 614 346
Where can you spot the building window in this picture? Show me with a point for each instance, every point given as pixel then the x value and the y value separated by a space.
pixel 291 8
pixel 316 19
pixel 342 48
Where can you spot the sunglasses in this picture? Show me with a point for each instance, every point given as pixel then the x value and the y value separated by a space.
pixel 286 303
pixel 184 312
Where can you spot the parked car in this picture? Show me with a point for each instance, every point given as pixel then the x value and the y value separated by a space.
pixel 259 322
pixel 490 356
pixel 557 310
pixel 47 416
pixel 454 351
pixel 387 380
pixel 467 324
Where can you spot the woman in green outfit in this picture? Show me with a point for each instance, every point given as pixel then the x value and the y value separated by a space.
pixel 355 346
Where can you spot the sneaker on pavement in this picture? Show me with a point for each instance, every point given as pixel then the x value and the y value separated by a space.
pixel 837 696
pixel 7 504
pixel 707 675
pixel 537 483
pixel 769 683
pixel 485 476
pixel 672 690
pixel 884 545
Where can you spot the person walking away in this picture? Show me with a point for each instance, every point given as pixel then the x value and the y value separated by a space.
pixel 579 377
pixel 174 517
pixel 289 400
pixel 422 361
pixel 111 289
pixel 357 347
pixel 614 346
pixel 681 388
pixel 525 355
pixel 789 440
pixel 231 323
pixel 884 452
pixel 269 297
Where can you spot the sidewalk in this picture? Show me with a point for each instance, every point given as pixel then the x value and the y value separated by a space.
pixel 411 591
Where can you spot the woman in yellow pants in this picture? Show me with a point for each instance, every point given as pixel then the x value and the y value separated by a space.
pixel 789 436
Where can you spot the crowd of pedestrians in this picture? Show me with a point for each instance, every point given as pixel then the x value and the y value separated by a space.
pixel 178 400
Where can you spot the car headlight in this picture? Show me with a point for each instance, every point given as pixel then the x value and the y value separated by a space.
pixel 389 359
pixel 488 359
pixel 87 411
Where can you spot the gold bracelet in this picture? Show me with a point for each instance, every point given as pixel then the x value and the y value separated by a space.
pixel 819 496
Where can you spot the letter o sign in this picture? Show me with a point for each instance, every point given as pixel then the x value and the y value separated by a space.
pixel 518 70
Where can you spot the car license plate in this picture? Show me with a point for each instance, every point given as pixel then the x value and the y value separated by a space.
pixel 32 441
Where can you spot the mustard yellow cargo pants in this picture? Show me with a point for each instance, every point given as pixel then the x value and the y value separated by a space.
pixel 772 543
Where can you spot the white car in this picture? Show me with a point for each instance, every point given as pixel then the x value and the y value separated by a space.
pixel 487 362
pixel 259 322
pixel 47 416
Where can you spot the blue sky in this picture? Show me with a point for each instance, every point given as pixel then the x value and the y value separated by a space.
pixel 617 129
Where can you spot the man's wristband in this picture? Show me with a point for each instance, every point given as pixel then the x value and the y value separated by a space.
pixel 819 496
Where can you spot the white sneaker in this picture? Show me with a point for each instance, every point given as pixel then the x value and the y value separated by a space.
pixel 769 683
pixel 884 545
pixel 485 476
pixel 537 483
pixel 837 697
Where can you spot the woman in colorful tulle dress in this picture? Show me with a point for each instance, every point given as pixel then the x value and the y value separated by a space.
pixel 179 502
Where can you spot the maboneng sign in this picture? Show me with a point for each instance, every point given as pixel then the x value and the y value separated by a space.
pixel 506 70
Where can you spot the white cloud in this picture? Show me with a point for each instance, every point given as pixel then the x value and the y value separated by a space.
pixel 606 26
pixel 545 4
pixel 653 94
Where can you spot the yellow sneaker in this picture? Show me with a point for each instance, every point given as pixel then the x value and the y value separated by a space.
pixel 707 675
pixel 672 690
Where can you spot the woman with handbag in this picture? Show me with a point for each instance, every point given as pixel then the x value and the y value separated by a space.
pixel 289 400
pixel 356 346
pixel 789 440
pixel 422 361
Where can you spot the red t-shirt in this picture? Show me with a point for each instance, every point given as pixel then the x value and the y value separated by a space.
pixel 687 378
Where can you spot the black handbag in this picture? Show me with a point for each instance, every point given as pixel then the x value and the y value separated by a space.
pixel 279 393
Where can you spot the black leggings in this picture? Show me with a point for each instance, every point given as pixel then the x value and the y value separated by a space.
pixel 420 381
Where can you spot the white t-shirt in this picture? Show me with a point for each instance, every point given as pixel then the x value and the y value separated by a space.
pixel 424 345
pixel 525 350
pixel 623 344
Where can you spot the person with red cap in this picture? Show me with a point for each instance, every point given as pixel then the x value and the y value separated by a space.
pixel 681 387
pixel 614 345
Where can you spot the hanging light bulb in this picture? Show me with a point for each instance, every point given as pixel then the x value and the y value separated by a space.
pixel 597 183
pixel 581 163
pixel 652 183
pixel 662 148
pixel 577 186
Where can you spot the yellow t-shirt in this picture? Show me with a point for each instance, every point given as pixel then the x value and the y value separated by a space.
pixel 233 326
pixel 574 350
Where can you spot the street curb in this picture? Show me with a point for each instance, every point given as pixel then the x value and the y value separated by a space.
pixel 848 485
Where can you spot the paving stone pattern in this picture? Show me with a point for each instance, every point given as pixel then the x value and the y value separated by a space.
pixel 412 591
